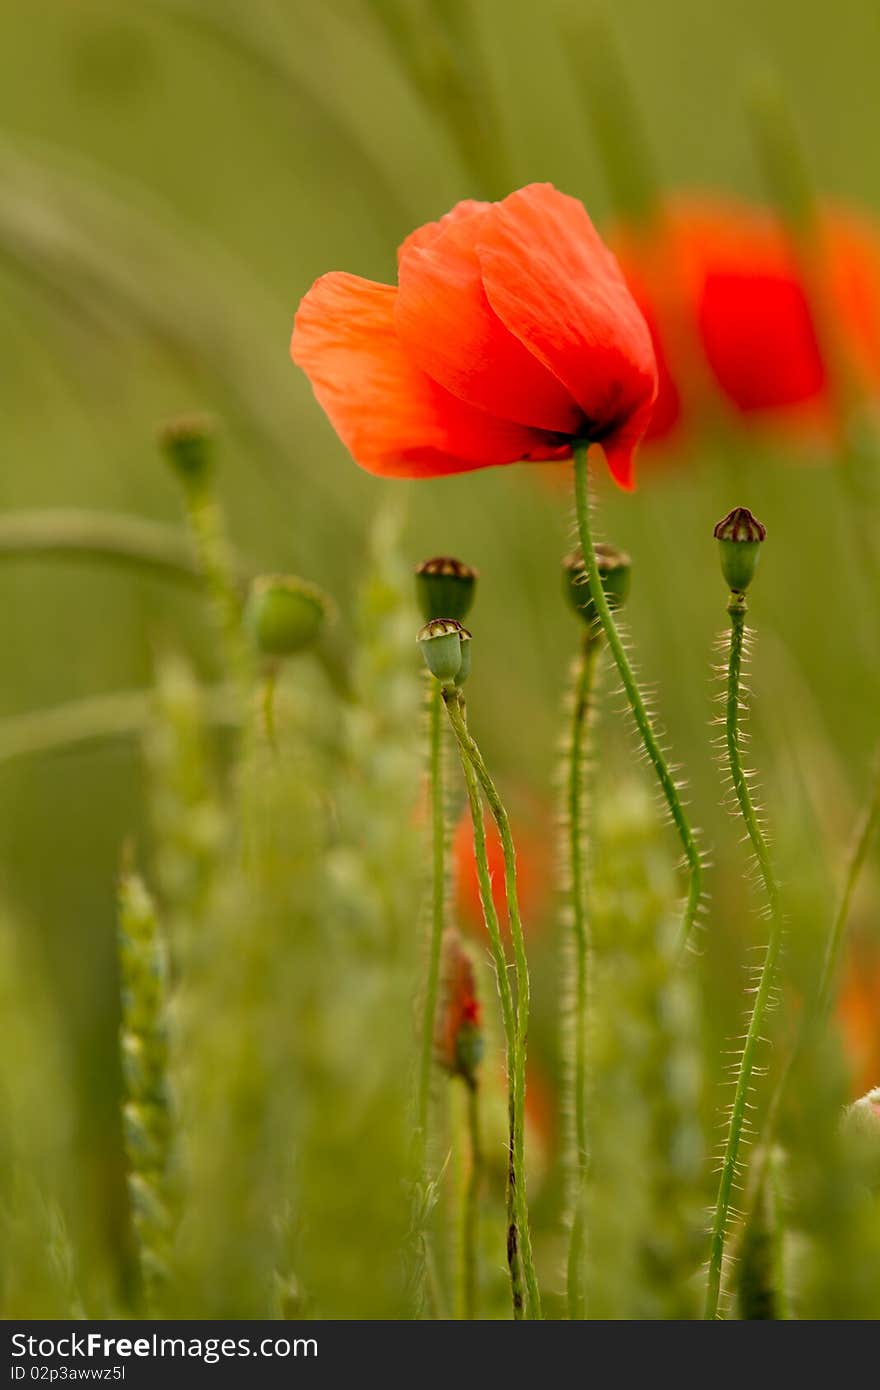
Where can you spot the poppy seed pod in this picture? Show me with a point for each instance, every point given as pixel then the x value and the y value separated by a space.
pixel 464 669
pixel 188 445
pixel 283 614
pixel 441 644
pixel 740 536
pixel 615 571
pixel 445 585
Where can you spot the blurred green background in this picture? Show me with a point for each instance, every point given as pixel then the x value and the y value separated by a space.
pixel 173 175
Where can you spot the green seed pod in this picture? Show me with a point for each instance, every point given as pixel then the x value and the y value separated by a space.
pixel 464 669
pixel 445 587
pixel 188 443
pixel 441 644
pixel 615 571
pixel 284 615
pixel 739 537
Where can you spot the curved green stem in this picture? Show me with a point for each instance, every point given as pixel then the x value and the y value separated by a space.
pixel 508 1017
pixel 129 541
pixel 455 708
pixel 652 747
pixel 438 915
pixel 98 719
pixel 737 610
pixel 575 796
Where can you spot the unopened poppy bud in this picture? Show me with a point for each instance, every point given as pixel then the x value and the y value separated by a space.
pixel 739 536
pixel 188 443
pixel 445 588
pixel 459 1036
pixel 284 614
pixel 614 570
pixel 441 644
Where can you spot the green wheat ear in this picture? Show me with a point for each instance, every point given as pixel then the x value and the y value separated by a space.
pixel 146 1112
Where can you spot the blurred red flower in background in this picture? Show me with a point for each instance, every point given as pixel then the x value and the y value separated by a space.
pixel 722 288
pixel 511 333
pixel 858 1013
pixel 457 1039
pixel 531 875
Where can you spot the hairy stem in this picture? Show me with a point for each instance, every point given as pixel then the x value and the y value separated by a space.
pixel 729 1166
pixel 575 802
pixel 636 702
pixel 470 1213
pixel 455 708
pixel 438 916
pixel 217 566
pixel 499 960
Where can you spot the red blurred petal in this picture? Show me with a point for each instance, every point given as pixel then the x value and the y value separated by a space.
pixel 759 339
pixel 393 418
pixel 451 331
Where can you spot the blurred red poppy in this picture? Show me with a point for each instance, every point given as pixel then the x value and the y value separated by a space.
pixel 530 876
pixel 858 1013
pixel 724 281
pixel 458 1039
pixel 511 333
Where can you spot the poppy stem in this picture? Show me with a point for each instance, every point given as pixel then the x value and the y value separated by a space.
pixel 578 754
pixel 470 1212
pixel 693 857
pixel 438 915
pixel 499 960
pixel 208 531
pixel 730 1166
pixel 519 1235
pixel 267 695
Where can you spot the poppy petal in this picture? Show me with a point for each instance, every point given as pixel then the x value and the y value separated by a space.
pixel 424 235
pixel 619 447
pixel 451 331
pixel 392 417
pixel 554 284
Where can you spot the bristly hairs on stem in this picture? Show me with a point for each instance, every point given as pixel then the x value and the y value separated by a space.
pixel 653 750
pixel 505 994
pixel 740 537
pixel 581 716
pixel 455 707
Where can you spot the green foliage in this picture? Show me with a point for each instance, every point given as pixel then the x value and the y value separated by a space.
pixel 174 177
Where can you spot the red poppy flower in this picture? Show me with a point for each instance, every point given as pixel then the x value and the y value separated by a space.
pixel 725 280
pixel 511 333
